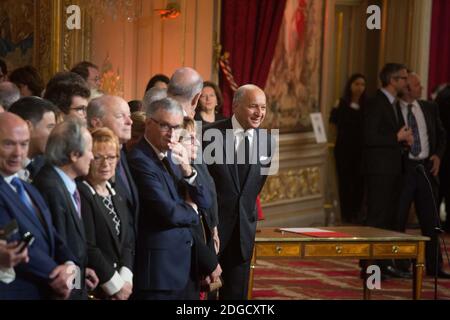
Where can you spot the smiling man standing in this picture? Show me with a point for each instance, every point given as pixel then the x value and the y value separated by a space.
pixel 238 184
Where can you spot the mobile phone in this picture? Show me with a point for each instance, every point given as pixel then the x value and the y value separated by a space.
pixel 9 230
pixel 27 240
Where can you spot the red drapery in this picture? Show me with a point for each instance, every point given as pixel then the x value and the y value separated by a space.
pixel 249 33
pixel 440 44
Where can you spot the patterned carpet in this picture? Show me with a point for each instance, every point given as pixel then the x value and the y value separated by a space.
pixel 332 279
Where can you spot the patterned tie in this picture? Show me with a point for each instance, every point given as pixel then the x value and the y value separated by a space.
pixel 76 197
pixel 412 123
pixel 17 183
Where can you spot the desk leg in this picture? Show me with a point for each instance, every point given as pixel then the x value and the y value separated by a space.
pixel 250 280
pixel 418 267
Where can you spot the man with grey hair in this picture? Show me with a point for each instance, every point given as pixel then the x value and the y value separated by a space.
pixel 238 184
pixel 9 93
pixel 113 112
pixel 153 94
pixel 69 154
pixel 170 198
pixel 185 86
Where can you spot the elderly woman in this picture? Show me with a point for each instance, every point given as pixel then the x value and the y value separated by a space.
pixel 106 220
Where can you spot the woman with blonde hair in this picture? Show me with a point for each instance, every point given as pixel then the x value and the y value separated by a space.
pixel 107 220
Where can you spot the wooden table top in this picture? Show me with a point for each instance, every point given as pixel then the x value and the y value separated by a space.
pixel 358 233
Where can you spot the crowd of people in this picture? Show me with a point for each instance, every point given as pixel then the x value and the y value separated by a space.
pixel 120 204
pixel 391 152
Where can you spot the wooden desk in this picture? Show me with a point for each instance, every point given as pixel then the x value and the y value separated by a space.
pixel 366 243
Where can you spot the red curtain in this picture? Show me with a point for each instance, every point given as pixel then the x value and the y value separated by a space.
pixel 250 31
pixel 440 44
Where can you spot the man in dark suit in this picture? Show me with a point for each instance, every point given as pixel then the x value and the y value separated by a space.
pixel 49 271
pixel 238 184
pixel 443 101
pixel 385 138
pixel 40 115
pixel 68 154
pixel 185 87
pixel 164 247
pixel 113 112
pixel 422 163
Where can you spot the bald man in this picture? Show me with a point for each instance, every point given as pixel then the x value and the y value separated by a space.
pixel 421 166
pixel 113 112
pixel 238 184
pixel 48 273
pixel 185 86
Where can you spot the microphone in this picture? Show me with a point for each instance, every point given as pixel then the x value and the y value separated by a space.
pixel 420 168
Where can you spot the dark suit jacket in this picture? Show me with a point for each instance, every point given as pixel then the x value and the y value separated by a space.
pixel 107 252
pixel 164 248
pixel 46 253
pixel 236 203
pixel 437 137
pixel 132 199
pixel 35 166
pixel 382 153
pixel 205 260
pixel 64 214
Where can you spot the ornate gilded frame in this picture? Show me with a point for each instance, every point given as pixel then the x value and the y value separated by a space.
pixel 56 47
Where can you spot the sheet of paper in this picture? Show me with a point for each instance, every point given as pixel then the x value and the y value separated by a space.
pixel 303 230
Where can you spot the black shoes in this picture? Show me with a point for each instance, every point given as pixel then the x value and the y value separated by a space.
pixel 392 272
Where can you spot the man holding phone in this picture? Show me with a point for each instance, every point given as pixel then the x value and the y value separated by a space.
pixel 49 272
pixel 11 255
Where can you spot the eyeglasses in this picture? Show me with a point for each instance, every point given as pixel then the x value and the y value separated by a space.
pixel 164 127
pixel 80 109
pixel 110 159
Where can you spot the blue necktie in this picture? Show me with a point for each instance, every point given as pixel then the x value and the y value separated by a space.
pixel 17 183
pixel 412 123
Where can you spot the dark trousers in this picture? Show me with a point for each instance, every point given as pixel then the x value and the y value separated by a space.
pixel 382 202
pixel 190 292
pixel 416 188
pixel 235 270
pixel 351 187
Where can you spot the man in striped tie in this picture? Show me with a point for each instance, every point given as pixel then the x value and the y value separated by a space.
pixel 421 169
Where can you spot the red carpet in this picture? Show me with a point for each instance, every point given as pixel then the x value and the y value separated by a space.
pixel 332 279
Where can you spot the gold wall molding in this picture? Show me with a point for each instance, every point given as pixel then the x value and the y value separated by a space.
pixel 295 196
pixel 293 184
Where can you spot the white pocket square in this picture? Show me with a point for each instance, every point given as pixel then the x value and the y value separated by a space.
pixel 263 158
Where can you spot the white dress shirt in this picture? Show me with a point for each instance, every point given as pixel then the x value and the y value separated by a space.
pixel 422 127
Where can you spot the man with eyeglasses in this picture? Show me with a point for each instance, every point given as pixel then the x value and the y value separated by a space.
pixel 386 138
pixel 70 93
pixel 171 198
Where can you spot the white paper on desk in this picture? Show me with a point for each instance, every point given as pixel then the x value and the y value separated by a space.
pixel 302 230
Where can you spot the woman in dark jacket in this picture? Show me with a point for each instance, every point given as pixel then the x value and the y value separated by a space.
pixel 106 220
pixel 347 117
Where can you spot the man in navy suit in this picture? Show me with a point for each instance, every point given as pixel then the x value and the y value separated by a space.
pixel 49 273
pixel 164 249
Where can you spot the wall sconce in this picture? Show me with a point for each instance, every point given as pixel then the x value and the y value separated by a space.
pixel 172 11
